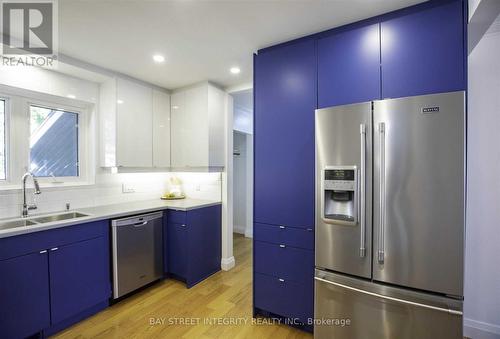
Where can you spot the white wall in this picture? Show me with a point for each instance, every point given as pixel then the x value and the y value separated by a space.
pixel 49 82
pixel 482 268
pixel 240 183
pixel 243 111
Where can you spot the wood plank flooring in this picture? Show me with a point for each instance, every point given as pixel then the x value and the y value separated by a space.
pixel 219 307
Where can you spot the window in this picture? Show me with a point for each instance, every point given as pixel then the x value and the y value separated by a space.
pixel 3 160
pixel 50 136
pixel 53 142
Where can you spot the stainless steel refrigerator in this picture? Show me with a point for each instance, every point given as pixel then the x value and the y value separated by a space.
pixel 390 211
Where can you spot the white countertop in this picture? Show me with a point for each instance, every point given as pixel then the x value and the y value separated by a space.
pixel 110 212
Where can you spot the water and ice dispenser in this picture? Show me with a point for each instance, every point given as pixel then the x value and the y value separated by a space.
pixel 340 195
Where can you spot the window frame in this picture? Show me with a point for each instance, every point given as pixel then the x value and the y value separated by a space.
pixel 7 102
pixel 18 137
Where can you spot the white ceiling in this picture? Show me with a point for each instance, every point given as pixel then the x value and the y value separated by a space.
pixel 201 40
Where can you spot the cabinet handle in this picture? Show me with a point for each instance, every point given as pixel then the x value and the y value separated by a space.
pixel 54 249
pixel 43 252
pixel 281 280
pixel 183 225
pixel 282 227
pixel 309 230
pixel 139 224
pixel 282 246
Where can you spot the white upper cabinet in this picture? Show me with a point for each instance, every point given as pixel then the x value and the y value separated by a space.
pixel 197 127
pixel 134 121
pixel 134 125
pixel 161 129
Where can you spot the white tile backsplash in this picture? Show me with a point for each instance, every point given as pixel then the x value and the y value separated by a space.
pixel 108 190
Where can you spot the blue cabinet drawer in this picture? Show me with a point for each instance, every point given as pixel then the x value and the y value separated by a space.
pixel 177 217
pixel 283 261
pixel 283 297
pixel 33 242
pixel 290 236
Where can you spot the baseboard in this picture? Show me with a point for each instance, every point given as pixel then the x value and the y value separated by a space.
pixel 240 229
pixel 227 263
pixel 480 330
pixel 249 233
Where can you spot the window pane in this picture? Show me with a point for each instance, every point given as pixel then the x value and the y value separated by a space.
pixel 2 140
pixel 53 142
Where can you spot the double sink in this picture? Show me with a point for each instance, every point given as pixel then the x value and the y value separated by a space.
pixel 40 220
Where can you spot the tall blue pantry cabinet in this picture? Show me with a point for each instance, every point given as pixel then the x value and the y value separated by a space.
pixel 413 51
pixel 285 100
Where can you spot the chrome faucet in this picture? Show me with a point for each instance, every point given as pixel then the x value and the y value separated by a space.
pixel 27 207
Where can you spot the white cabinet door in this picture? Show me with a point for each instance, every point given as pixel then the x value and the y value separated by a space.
pixel 134 118
pixel 161 129
pixel 189 132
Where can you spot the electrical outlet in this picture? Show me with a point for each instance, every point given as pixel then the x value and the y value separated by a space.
pixel 128 188
pixel 198 187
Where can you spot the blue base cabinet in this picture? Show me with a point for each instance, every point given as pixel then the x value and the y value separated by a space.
pixel 285 100
pixel 24 295
pixel 193 243
pixel 79 277
pixel 51 279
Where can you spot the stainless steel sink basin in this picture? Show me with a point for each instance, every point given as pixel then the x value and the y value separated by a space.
pixel 59 217
pixel 16 223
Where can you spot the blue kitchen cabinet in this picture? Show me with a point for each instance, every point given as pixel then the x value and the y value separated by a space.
pixel 193 243
pixel 177 249
pixel 24 295
pixel 423 51
pixel 284 297
pixel 285 100
pixel 52 279
pixel 79 277
pixel 349 66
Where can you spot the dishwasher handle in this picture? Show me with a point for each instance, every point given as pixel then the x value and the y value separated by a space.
pixel 137 221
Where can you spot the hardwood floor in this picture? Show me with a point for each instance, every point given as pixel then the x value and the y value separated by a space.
pixel 219 307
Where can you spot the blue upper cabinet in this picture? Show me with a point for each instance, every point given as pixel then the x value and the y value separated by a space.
pixel 285 100
pixel 349 66
pixel 423 51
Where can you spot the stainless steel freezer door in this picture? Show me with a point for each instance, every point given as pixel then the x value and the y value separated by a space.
pixel 418 209
pixel 343 133
pixel 379 312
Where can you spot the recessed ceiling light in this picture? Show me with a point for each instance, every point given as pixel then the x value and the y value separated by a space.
pixel 158 58
pixel 119 101
pixel 235 70
pixel 71 96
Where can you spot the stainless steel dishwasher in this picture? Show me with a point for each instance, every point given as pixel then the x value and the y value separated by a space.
pixel 137 252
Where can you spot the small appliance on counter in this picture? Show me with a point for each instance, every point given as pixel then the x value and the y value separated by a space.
pixel 175 190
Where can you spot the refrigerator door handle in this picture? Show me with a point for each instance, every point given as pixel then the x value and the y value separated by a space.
pixel 381 245
pixel 362 193
pixel 377 295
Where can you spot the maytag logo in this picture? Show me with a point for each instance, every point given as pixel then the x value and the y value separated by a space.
pixel 29 32
pixel 430 109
